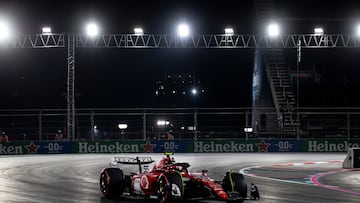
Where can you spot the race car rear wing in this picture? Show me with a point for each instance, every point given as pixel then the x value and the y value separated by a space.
pixel 131 161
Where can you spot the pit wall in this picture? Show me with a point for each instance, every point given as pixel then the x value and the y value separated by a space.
pixel 180 146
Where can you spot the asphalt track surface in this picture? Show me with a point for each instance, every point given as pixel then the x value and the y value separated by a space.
pixel 75 178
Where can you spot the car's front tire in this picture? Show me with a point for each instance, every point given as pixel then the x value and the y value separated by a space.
pixel 235 182
pixel 170 187
pixel 112 182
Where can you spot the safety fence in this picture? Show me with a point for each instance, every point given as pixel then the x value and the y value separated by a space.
pixel 177 146
pixel 186 123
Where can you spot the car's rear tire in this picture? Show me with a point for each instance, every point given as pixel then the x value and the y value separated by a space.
pixel 112 182
pixel 170 187
pixel 235 182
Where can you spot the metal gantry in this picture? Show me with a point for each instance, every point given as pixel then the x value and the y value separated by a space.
pixel 217 41
pixel 195 41
pixel 36 41
pixel 168 41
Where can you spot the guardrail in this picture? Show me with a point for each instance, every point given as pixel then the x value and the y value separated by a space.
pixel 186 123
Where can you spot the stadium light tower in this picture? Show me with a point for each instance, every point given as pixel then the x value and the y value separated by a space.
pixel 183 30
pixel 4 30
pixel 92 29
pixel 273 30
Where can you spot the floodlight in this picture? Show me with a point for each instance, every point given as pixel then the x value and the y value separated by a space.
pixel 122 126
pixel 183 30
pixel 4 30
pixel 138 31
pixel 273 30
pixel 229 31
pixel 46 30
pixel 162 122
pixel 191 128
pixel 92 29
pixel 318 31
pixel 248 130
pixel 358 30
pixel 194 91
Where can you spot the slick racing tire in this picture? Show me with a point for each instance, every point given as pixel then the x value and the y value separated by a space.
pixel 170 187
pixel 235 182
pixel 112 182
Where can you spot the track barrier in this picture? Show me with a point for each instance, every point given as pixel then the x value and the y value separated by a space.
pixel 352 159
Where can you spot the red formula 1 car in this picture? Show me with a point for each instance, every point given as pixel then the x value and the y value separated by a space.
pixel 168 181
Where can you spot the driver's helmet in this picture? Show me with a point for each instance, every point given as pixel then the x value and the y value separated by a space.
pixel 146 168
pixel 169 159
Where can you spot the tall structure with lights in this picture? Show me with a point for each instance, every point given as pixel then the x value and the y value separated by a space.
pixel 150 41
pixel 71 87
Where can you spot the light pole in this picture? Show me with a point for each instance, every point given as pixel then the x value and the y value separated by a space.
pixel 194 92
pixel 297 88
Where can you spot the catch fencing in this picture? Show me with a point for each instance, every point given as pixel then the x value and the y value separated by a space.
pixel 185 123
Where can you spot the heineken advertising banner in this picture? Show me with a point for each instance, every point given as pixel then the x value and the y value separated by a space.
pixel 330 146
pixel 14 148
pixel 111 147
pixel 51 147
pixel 248 146
pixel 36 148
pixel 150 146
pixel 177 146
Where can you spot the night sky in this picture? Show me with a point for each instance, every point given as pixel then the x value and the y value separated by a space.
pixel 126 77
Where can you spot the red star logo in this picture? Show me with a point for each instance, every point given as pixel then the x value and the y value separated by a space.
pixel 262 146
pixel 32 148
pixel 148 147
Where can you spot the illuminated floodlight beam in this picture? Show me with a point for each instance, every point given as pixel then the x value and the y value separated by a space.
pixel 229 31
pixel 4 30
pixel 194 91
pixel 273 30
pixel 122 126
pixel 183 30
pixel 92 29
pixel 318 31
pixel 358 30
pixel 162 122
pixel 248 130
pixel 138 31
pixel 46 30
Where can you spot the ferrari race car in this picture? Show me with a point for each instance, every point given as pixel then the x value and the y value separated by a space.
pixel 168 181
